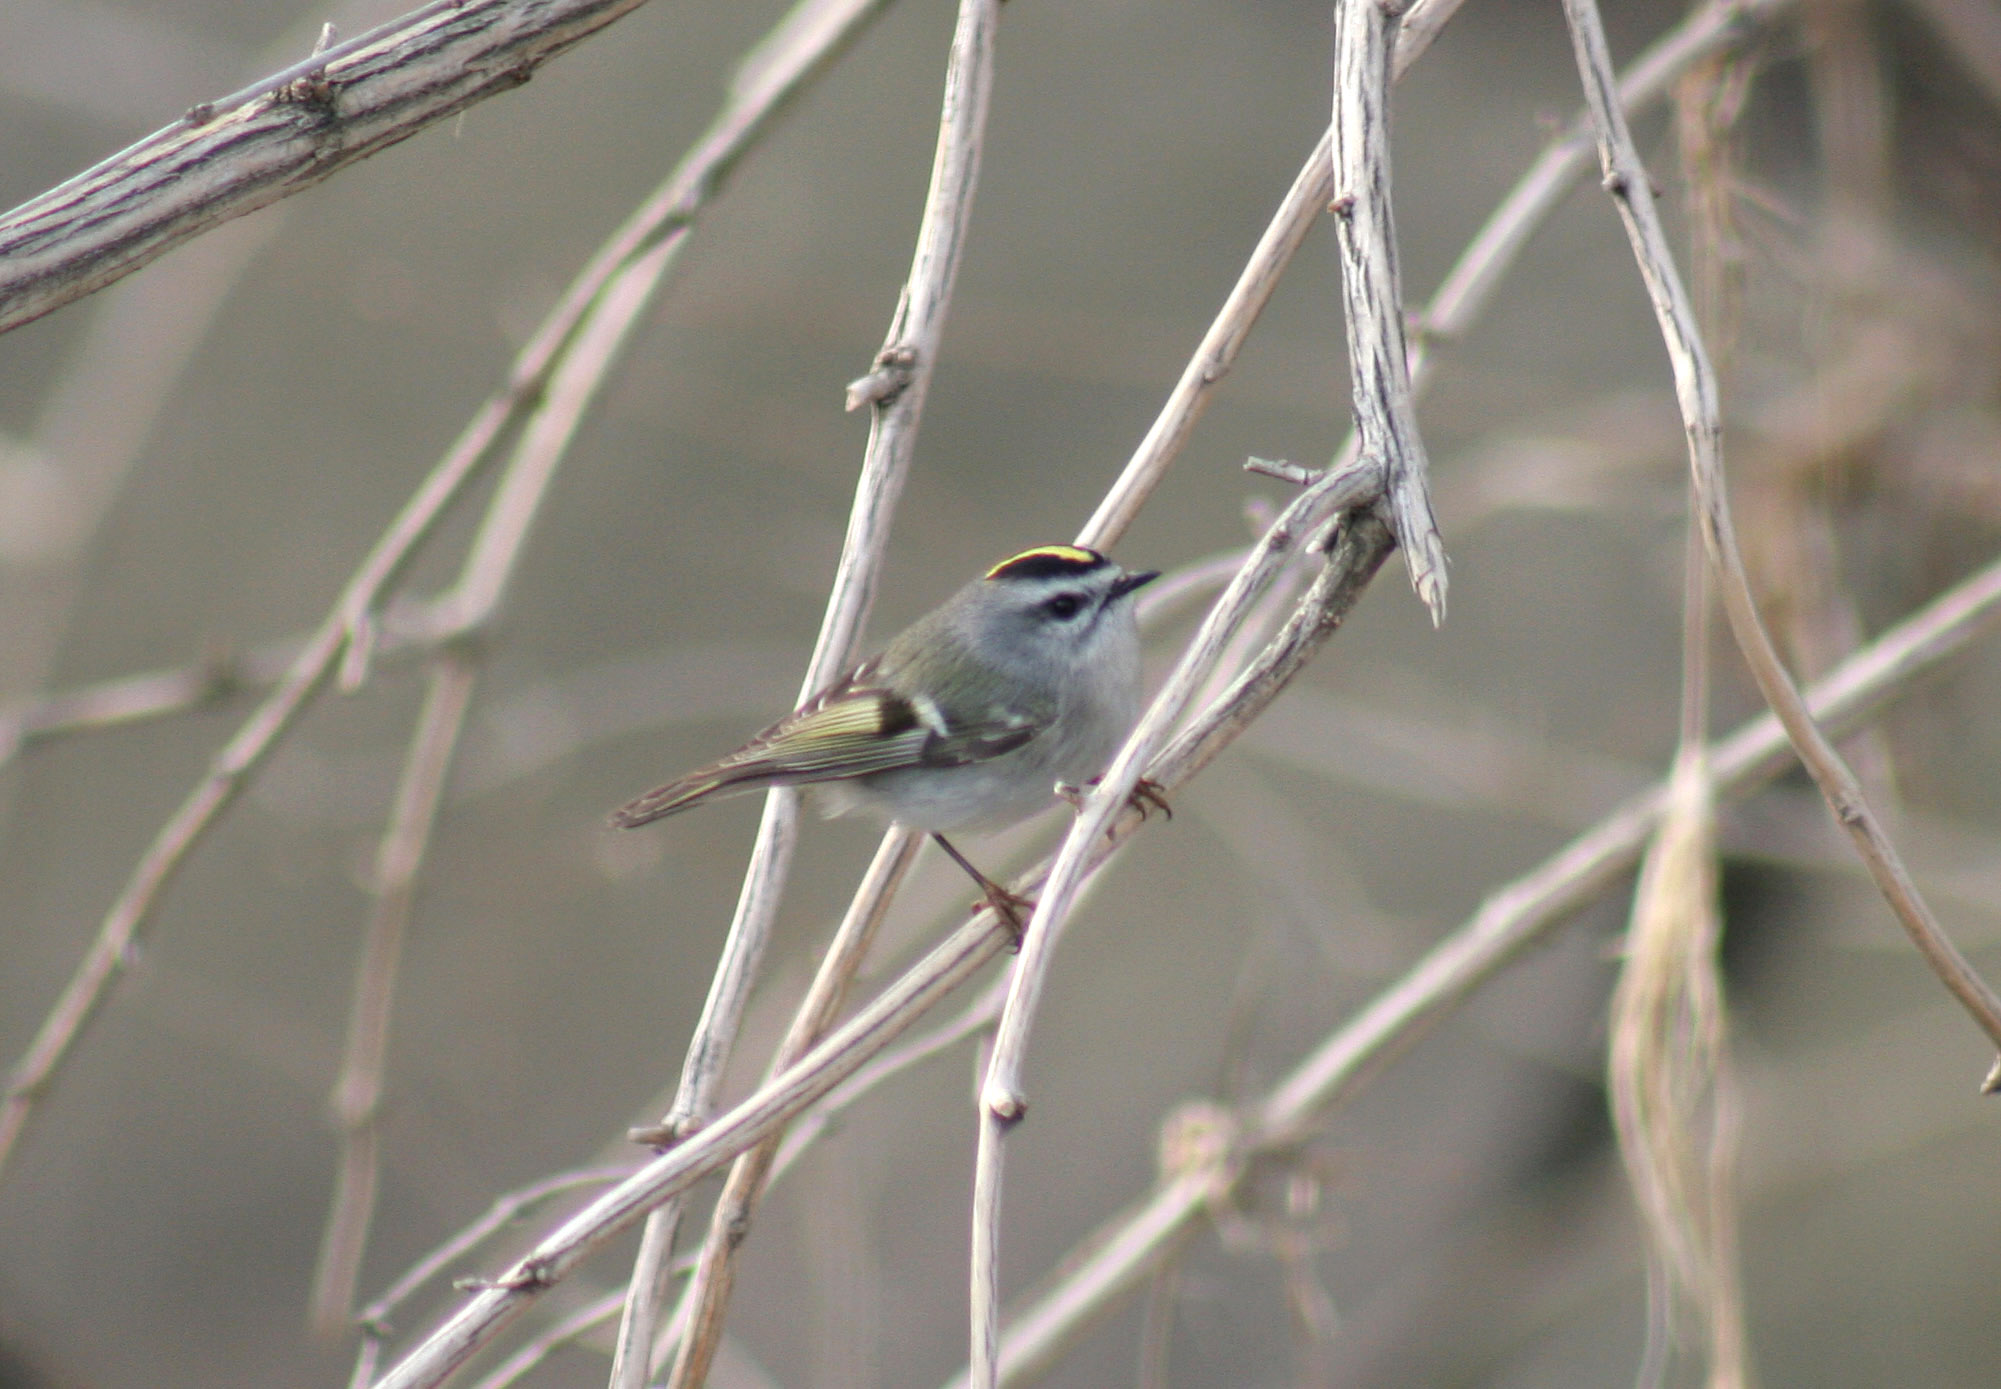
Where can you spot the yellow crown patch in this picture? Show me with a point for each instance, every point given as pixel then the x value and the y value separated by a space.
pixel 1046 560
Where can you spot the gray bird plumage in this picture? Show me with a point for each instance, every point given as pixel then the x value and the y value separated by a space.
pixel 1026 677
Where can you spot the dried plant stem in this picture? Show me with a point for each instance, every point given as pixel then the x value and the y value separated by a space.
pixel 867 1033
pixel 1118 1257
pixel 1460 299
pixel 715 1271
pixel 544 1343
pixel 643 246
pixel 895 390
pixel 1464 293
pixel 1002 1101
pixel 502 1213
pixel 1217 352
pixel 1372 288
pixel 284 134
pixel 117 938
pixel 1696 392
pixel 472 601
pixel 1509 920
pixel 357 1095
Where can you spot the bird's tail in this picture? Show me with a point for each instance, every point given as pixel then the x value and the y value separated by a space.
pixel 708 784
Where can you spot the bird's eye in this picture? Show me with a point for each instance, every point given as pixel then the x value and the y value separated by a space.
pixel 1063 606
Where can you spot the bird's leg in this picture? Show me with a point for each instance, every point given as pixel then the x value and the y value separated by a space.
pixel 1011 907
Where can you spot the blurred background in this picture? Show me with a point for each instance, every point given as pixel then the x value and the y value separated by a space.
pixel 192 462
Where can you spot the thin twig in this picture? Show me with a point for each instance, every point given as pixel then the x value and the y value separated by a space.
pixel 1217 353
pixel 229 771
pixel 1508 921
pixel 1002 1101
pixel 1461 297
pixel 895 391
pixel 869 1032
pixel 275 138
pixel 546 1342
pixel 1468 287
pixel 375 1317
pixel 1120 1256
pixel 1372 288
pixel 1197 371
pixel 347 632
pixel 715 1271
pixel 356 1102
pixel 1697 394
pixel 473 600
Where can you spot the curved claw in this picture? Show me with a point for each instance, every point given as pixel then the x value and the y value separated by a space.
pixel 1148 796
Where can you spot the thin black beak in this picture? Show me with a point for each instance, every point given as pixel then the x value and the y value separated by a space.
pixel 1130 582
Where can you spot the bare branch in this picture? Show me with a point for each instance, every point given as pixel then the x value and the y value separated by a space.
pixel 715 1271
pixel 1696 392
pixel 1002 1101
pixel 1120 1256
pixel 543 1344
pixel 850 1046
pixel 275 138
pixel 1372 288
pixel 902 378
pixel 637 254
pixel 356 1102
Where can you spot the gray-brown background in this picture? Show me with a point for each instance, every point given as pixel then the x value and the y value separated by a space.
pixel 182 471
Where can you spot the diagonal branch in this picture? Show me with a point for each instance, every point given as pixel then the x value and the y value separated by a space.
pixel 715 1271
pixel 843 1053
pixel 895 390
pixel 357 1096
pixel 1696 391
pixel 1003 1102
pixel 1118 1257
pixel 625 270
pixel 284 134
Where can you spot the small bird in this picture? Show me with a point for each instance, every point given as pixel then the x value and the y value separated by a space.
pixel 1025 679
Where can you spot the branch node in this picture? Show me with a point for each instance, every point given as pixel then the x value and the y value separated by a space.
pixel 1009 1107
pixel 664 1135
pixel 358 652
pixel 199 114
pixel 1296 473
pixel 894 369
pixel 1343 206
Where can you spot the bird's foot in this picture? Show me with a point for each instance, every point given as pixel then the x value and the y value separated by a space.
pixel 1147 796
pixel 1012 908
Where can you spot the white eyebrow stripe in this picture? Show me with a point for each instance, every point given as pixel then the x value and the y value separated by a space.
pixel 929 714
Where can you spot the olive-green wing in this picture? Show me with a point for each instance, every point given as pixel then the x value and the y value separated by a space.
pixel 852 730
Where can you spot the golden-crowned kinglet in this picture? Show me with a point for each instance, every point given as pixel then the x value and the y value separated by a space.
pixel 1025 678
